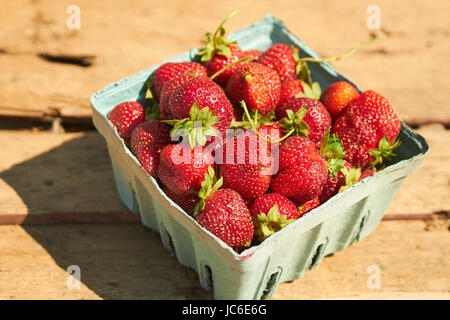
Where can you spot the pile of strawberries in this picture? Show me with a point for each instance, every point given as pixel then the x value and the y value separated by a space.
pixel 242 142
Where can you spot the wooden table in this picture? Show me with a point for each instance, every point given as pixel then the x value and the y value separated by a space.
pixel 58 202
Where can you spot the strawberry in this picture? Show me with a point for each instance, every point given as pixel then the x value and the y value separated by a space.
pixel 256 54
pixel 125 116
pixel 218 62
pixel 259 86
pixel 187 201
pixel 305 116
pixel 147 140
pixel 289 89
pixel 336 97
pixel 308 206
pixel 182 169
pixel 171 70
pixel 368 127
pixel 246 165
pixel 302 172
pixel 334 184
pixel 283 59
pixel 224 213
pixel 269 133
pixel 368 172
pixel 220 52
pixel 206 93
pixel 341 175
pixel 270 213
pixel 166 91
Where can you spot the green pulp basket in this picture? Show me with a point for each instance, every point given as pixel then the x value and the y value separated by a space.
pixel 255 273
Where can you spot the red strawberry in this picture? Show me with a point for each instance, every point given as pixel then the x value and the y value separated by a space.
pixel 302 172
pixel 341 175
pixel 334 184
pixel 308 206
pixel 224 213
pixel 182 169
pixel 336 97
pixel 281 58
pixel 147 140
pixel 187 201
pixel 246 166
pixel 259 86
pixel 218 62
pixel 206 93
pixel 166 92
pixel 125 116
pixel 367 173
pixel 368 127
pixel 270 213
pixel 271 132
pixel 256 54
pixel 171 70
pixel 289 89
pixel 306 117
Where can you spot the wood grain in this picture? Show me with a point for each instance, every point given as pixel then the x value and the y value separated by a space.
pixel 129 262
pixel 410 66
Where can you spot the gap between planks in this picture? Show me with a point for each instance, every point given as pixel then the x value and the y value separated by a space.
pixel 130 218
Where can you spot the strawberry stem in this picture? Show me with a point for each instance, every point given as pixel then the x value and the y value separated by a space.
pixel 218 44
pixel 220 27
pixel 345 55
pixel 230 65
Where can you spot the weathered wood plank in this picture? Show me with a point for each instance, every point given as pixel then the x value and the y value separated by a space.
pixel 62 178
pixel 410 66
pixel 129 262
pixel 45 173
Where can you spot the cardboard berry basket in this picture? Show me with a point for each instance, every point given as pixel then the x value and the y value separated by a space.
pixel 288 254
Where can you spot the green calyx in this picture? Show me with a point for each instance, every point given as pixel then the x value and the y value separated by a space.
pixel 251 119
pixel 152 112
pixel 218 43
pixel 351 175
pixel 208 187
pixel 385 151
pixel 293 123
pixel 149 83
pixel 314 91
pixel 268 224
pixel 196 127
pixel 332 151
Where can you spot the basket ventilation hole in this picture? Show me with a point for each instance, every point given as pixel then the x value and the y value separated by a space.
pixel 167 239
pixel 135 202
pixel 208 279
pixel 317 256
pixel 357 235
pixel 271 285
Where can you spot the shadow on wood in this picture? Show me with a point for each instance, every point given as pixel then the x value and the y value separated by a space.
pixel 74 183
